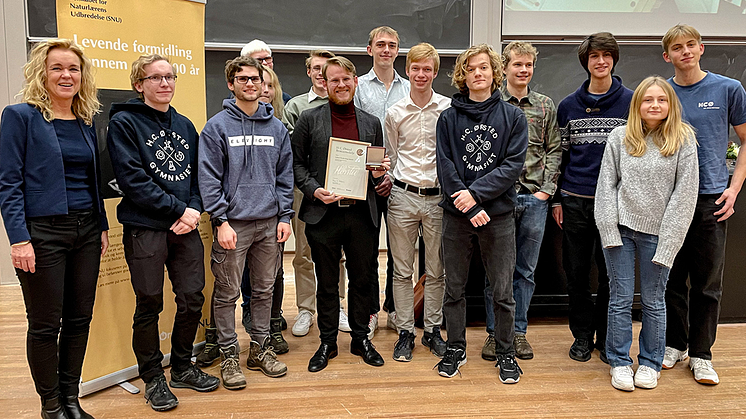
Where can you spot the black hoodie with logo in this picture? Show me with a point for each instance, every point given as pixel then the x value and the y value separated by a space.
pixel 154 156
pixel 481 147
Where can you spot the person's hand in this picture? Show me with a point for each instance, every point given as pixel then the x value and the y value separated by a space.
pixel 385 166
pixel 541 196
pixel 104 242
pixel 325 196
pixel 384 188
pixel 464 201
pixel 557 215
pixel 227 237
pixel 188 221
pixel 728 198
pixel 283 232
pixel 23 257
pixel 480 219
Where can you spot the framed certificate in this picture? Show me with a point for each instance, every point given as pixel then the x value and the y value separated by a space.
pixel 345 168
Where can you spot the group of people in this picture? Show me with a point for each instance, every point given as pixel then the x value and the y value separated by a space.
pixel 629 176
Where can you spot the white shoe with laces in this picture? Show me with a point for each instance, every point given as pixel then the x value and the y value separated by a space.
pixel 344 322
pixel 703 371
pixel 303 322
pixel 646 377
pixel 622 378
pixel 672 356
pixel 372 326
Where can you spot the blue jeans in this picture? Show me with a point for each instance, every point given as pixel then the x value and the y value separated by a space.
pixel 620 264
pixel 530 219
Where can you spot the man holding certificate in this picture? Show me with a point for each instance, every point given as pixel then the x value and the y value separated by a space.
pixel 329 149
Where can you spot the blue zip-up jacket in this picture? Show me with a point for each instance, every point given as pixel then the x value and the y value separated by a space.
pixel 481 146
pixel 584 123
pixel 246 165
pixel 154 156
pixel 32 173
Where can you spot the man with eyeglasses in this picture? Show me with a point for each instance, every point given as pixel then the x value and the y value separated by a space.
pixel 261 52
pixel 334 224
pixel 246 180
pixel 153 152
pixel 305 281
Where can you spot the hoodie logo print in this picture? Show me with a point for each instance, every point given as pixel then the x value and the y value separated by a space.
pixel 170 152
pixel 478 147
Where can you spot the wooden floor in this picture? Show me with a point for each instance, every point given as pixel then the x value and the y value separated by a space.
pixel 553 385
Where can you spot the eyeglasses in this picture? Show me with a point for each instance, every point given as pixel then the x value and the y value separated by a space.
pixel 265 60
pixel 245 79
pixel 157 79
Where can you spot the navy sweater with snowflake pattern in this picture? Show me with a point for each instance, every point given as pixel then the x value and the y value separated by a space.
pixel 585 122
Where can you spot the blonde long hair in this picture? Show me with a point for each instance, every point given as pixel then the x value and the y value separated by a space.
pixel 277 103
pixel 34 91
pixel 669 135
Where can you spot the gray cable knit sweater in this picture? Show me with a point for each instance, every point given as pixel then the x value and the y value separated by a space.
pixel 651 194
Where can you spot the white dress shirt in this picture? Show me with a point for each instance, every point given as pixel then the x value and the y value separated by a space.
pixel 410 131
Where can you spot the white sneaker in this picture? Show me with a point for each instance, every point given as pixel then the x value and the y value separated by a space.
pixel 646 377
pixel 703 371
pixel 372 326
pixel 303 322
pixel 672 356
pixel 344 322
pixel 391 321
pixel 622 378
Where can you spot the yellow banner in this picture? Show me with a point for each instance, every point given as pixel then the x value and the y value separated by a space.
pixel 115 33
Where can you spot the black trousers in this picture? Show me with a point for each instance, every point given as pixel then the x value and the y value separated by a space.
pixel 350 229
pixel 59 298
pixel 581 245
pixel 693 310
pixel 388 300
pixel 147 251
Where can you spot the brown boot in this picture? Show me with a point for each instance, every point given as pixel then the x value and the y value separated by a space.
pixel 263 358
pixel 230 369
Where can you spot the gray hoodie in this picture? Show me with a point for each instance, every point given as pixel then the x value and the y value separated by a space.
pixel 246 165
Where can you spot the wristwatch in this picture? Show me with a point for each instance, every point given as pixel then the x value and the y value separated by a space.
pixel 217 222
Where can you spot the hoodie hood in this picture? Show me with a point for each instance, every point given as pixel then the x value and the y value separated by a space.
pixel 264 112
pixel 475 110
pixel 607 100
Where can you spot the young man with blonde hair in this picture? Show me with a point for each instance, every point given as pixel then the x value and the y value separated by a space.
pixel 377 91
pixel 334 224
pixel 711 103
pixel 153 152
pixel 481 147
pixel 537 183
pixel 413 203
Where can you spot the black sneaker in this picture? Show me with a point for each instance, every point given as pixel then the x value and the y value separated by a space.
pixel 195 379
pixel 159 395
pixel 580 350
pixel 277 341
pixel 510 372
pixel 451 362
pixel 211 352
pixel 435 342
pixel 404 346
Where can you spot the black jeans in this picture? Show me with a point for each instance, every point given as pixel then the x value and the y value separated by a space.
pixel 350 229
pixel 59 298
pixel 581 245
pixel 388 298
pixel 147 251
pixel 693 311
pixel 496 242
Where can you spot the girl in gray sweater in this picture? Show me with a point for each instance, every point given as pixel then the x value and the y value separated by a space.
pixel 645 198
